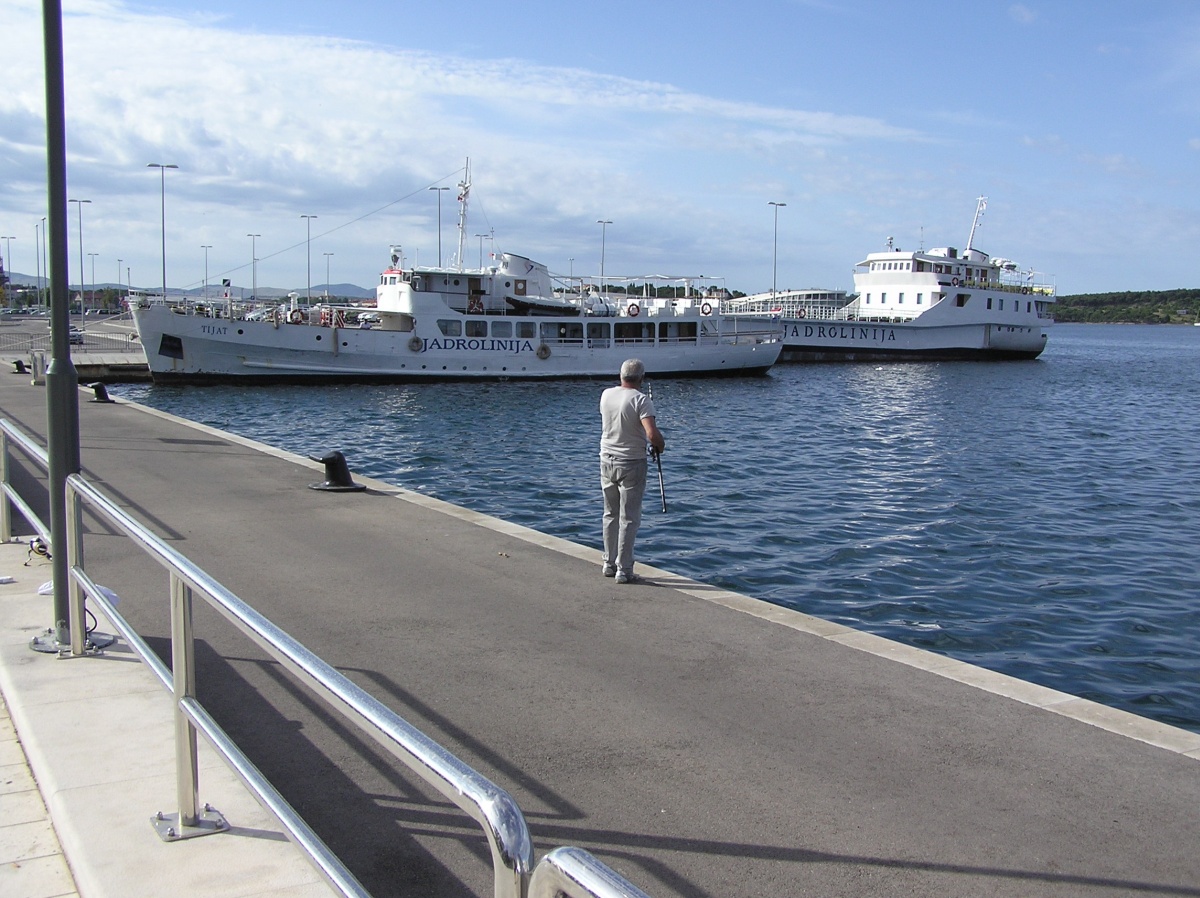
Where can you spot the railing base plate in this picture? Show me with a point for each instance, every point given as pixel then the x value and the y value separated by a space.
pixel 208 822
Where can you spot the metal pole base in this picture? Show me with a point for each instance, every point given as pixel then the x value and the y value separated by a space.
pixel 47 643
pixel 208 822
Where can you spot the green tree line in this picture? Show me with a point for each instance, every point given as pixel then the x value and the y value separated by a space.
pixel 1130 307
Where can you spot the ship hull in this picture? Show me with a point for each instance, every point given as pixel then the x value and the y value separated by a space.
pixel 191 349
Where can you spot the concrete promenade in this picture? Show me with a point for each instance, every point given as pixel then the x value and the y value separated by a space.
pixel 700 742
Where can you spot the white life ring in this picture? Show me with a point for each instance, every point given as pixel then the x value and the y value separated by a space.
pixel 415 343
pixel 706 309
pixel 543 352
pixel 954 281
pixel 634 310
pixel 296 317
pixel 800 313
pixel 1025 290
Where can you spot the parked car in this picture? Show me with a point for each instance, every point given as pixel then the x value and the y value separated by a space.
pixel 75 336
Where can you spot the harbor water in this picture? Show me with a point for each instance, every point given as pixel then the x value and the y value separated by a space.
pixel 1040 518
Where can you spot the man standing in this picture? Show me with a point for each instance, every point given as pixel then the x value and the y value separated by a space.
pixel 627 418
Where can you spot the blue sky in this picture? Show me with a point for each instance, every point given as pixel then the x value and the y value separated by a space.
pixel 679 122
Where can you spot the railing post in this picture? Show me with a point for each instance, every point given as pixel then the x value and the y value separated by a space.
pixel 183 666
pixel 75 561
pixel 5 506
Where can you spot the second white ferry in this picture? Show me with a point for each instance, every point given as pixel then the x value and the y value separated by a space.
pixel 924 305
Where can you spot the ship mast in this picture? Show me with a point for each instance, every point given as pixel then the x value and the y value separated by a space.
pixel 980 205
pixel 464 190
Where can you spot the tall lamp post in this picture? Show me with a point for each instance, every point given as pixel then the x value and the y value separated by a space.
pixel 206 247
pixel 8 257
pixel 603 231
pixel 37 257
pixel 308 243
pixel 162 169
pixel 120 287
pixel 327 255
pixel 79 206
pixel 45 264
pixel 92 256
pixel 253 268
pixel 439 190
pixel 775 249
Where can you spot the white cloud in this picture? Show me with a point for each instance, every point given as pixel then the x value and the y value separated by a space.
pixel 1021 14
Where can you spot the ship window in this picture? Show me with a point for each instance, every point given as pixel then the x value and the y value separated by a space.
pixel 868 299
pixel 526 330
pixel 450 327
pixel 562 333
pixel 900 301
pixel 1001 304
pixel 883 298
pixel 920 297
pixel 989 303
pixel 962 299
pixel 1029 306
pixel 476 328
pixel 598 333
pixel 502 328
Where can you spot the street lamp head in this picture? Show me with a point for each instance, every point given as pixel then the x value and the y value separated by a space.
pixel 160 165
pixel 776 205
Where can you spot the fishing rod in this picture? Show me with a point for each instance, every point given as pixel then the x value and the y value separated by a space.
pixel 662 490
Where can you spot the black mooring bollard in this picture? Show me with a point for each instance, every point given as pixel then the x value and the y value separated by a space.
pixel 337 475
pixel 101 392
pixel 19 367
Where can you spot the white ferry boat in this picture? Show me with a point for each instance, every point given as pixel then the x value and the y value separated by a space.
pixel 501 322
pixel 924 305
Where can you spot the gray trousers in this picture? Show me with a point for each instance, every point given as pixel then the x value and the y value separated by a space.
pixel 623 482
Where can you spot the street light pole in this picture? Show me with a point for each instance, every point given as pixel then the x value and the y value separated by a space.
pixel 8 258
pixel 206 247
pixel 79 206
pixel 308 243
pixel 119 285
pixel 439 196
pixel 162 169
pixel 253 268
pixel 775 250
pixel 603 231
pixel 327 255
pixel 92 256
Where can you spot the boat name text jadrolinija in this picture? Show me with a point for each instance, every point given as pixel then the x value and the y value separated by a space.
pixel 842 332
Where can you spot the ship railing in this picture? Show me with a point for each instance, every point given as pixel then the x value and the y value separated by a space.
pixel 568 872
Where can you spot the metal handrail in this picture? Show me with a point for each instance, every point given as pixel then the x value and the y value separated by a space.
pixel 10 433
pixel 573 873
pixel 568 872
pixel 489 805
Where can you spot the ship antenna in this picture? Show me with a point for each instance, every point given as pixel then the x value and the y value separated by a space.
pixel 464 190
pixel 980 205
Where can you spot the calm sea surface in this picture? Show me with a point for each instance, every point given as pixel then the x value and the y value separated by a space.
pixel 1037 518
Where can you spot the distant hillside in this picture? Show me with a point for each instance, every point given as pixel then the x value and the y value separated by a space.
pixel 1133 307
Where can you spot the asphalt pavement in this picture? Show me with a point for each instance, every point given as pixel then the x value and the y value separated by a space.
pixel 700 742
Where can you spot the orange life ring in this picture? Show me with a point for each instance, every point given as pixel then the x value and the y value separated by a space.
pixel 634 310
pixel 706 309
